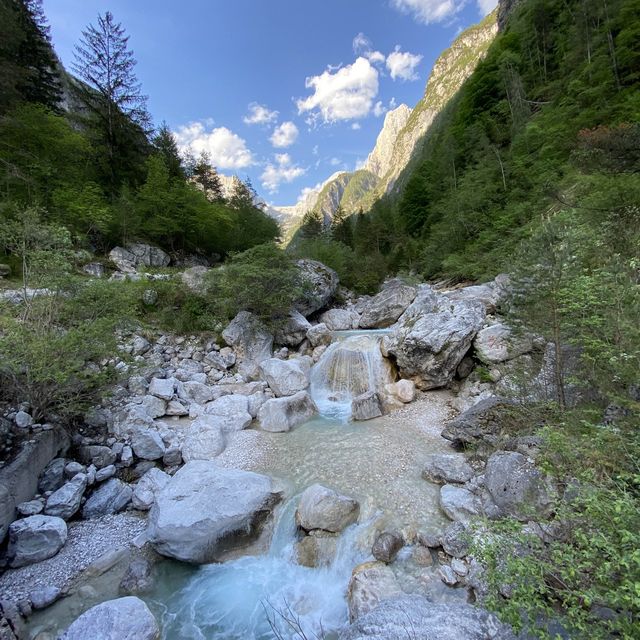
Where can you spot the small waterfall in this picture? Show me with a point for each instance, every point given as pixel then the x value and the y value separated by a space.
pixel 351 366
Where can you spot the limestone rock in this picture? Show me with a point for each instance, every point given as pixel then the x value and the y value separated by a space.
pixel 231 412
pixel 251 341
pixel 52 478
pixel 482 422
pixel 147 444
pixel 34 539
pixel 284 414
pixel 496 344
pixel 402 390
pixel 294 331
pixel 459 503
pixel 111 497
pixel 443 468
pixel 44 597
pixel 194 278
pixel 205 509
pixel 326 509
pixel 204 439
pixel 144 493
pixel 386 546
pixel 456 540
pixel 321 284
pixel 370 584
pixel 319 335
pixel 285 377
pixel 162 388
pixel 154 407
pixel 97 455
pixel 366 406
pixel 125 618
pixel 65 502
pixel 138 255
pixel 316 551
pixel 137 578
pixel 388 305
pixel 340 319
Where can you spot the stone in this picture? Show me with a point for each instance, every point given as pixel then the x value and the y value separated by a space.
pixel 386 546
pixel 30 508
pixel 65 502
pixel 195 278
pixel 138 385
pixel 456 540
pixel 320 285
pixel 149 297
pixel 386 307
pixel 204 439
pixel 35 539
pixel 340 319
pixel 459 567
pixel 319 335
pixel 284 414
pixel 94 269
pixel 44 597
pixel 366 406
pixel 422 556
pixel 140 346
pixel 370 584
pixel 105 473
pixel 448 575
pixel 52 478
pixel 137 578
pixel 251 341
pixel 497 343
pixel 162 388
pixel 125 618
pixel 144 493
pixel 316 551
pixel 402 390
pixel 147 444
pixel 446 468
pixel 481 422
pixel 126 457
pixel 432 337
pixel 284 377
pixel 458 503
pixel 136 255
pixel 205 509
pixel 154 407
pixel 516 487
pixel 172 457
pixel 326 509
pixel 416 618
pixel 232 412
pixel 490 294
pixel 110 497
pixel 23 420
pixel 221 360
pixel 198 392
pixel 294 330
pixel 73 468
pixel 98 455
pixel 176 408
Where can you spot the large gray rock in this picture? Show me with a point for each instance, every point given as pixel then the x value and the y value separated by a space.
pixel 319 334
pixel 251 341
pixel 326 509
pixel 294 331
pixel 125 618
pixel 204 439
pixel 144 493
pixel 490 294
pixel 34 539
pixel 98 455
pixel 386 546
pixel 198 392
pixel 284 414
pixel 456 540
pixel 387 306
pixel 432 336
pixel 483 422
pixel 321 284
pixel 497 343
pixel 163 388
pixel 444 468
pixel 52 478
pixel 65 502
pixel 516 487
pixel 195 278
pixel 138 255
pixel 459 503
pixel 340 319
pixel 205 509
pixel 366 406
pixel 414 617
pixel 371 583
pixel 285 377
pixel 147 444
pixel 111 497
pixel 232 413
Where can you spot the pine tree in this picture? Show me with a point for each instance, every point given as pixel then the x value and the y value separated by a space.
pixel 312 224
pixel 341 227
pixel 206 176
pixel 243 195
pixel 165 144
pixel 113 97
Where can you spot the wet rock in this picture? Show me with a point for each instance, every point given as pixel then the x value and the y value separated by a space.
pixel 137 578
pixel 147 444
pixel 414 617
pixel 370 584
pixel 316 551
pixel 111 497
pixel 386 546
pixel 204 440
pixel 125 618
pixel 65 502
pixel 320 283
pixel 285 377
pixel 366 406
pixel 185 523
pixel 444 468
pixel 387 306
pixel 148 486
pixel 34 539
pixel 251 341
pixel 324 508
pixel 284 414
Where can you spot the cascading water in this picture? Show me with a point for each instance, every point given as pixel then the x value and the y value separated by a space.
pixel 261 597
pixel 351 365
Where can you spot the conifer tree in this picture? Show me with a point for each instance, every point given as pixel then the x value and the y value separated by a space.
pixel 165 144
pixel 205 175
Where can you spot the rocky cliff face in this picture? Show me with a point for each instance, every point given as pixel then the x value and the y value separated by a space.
pixel 401 133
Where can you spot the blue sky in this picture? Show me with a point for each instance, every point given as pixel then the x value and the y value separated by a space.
pixel 285 92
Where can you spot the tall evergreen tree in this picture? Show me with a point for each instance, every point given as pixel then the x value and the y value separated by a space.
pixel 165 144
pixel 113 97
pixel 244 195
pixel 206 176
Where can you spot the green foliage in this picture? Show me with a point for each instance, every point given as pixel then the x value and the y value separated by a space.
pixel 263 280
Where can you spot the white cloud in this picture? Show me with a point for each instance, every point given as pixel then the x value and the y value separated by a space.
pixel 379 109
pixel 259 114
pixel 346 94
pixel 279 171
pixel 355 126
pixel 315 150
pixel 284 135
pixel 361 44
pixel 402 64
pixel 486 6
pixel 428 11
pixel 227 149
pixel 334 162
pixel 375 57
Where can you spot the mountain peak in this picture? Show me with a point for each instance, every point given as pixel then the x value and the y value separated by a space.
pixel 379 159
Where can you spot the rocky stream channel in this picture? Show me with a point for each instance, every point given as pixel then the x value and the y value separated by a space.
pixel 303 485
